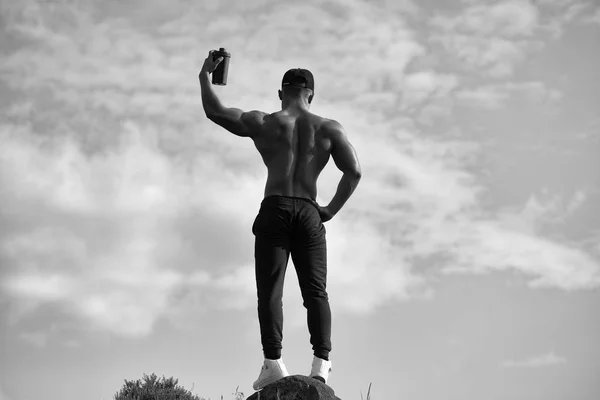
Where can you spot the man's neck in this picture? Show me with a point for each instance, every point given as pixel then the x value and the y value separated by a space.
pixel 295 105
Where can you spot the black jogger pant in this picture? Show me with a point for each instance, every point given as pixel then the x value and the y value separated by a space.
pixel 291 225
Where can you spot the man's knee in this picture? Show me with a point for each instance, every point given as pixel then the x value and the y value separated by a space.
pixel 314 295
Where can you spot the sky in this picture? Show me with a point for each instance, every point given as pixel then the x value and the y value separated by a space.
pixel 465 266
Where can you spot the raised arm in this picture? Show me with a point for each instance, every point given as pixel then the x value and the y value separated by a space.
pixel 346 160
pixel 236 121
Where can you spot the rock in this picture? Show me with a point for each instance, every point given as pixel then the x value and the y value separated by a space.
pixel 295 387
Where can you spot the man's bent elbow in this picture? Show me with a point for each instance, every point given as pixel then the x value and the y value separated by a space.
pixel 213 116
pixel 209 114
pixel 354 174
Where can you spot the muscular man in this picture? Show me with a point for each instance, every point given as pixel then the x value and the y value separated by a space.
pixel 295 146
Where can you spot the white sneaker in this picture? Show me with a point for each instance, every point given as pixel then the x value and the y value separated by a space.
pixel 271 371
pixel 320 369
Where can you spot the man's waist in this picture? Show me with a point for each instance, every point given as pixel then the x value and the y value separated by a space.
pixel 272 198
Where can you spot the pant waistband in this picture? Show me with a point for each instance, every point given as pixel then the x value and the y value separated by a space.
pixel 277 197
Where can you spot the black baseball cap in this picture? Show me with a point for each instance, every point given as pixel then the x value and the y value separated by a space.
pixel 299 77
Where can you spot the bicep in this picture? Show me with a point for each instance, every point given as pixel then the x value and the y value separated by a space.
pixel 238 122
pixel 343 153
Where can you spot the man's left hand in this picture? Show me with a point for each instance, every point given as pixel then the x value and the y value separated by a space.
pixel 325 213
pixel 209 64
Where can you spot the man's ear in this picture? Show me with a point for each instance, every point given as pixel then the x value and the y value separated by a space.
pixel 310 98
pixel 279 92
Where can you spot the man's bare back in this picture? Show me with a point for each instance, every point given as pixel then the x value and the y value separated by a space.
pixel 295 147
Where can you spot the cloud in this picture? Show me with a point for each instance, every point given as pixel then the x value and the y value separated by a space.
pixel 557 15
pixel 493 56
pixel 487 38
pixel 3 395
pixel 122 205
pixel 545 360
pixel 492 38
pixel 578 199
pixel 544 207
pixel 494 96
pixel 504 18
pixel 107 225
pixel 38 339
pixel 484 97
pixel 100 233
pixel 424 92
pixel 594 18
pixel 490 246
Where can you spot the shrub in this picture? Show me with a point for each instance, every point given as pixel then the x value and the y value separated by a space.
pixel 153 388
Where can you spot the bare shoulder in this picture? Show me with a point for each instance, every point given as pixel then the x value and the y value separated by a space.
pixel 254 117
pixel 254 121
pixel 332 128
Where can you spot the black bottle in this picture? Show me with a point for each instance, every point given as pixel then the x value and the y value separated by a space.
pixel 219 76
